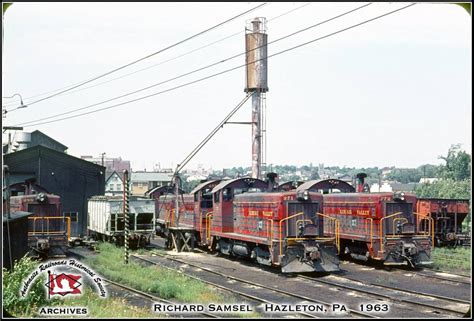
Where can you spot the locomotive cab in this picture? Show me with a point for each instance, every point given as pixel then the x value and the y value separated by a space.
pixel 306 249
pixel 382 226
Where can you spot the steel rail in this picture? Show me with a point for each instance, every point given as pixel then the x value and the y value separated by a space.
pixel 141 293
pixel 249 296
pixel 354 312
pixel 392 298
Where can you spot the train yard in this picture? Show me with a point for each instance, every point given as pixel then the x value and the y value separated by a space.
pixel 415 294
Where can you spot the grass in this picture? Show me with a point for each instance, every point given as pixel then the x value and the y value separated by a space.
pixel 162 282
pixel 30 306
pixel 456 260
pixel 105 308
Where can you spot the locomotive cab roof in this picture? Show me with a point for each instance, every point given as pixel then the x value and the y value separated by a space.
pixel 240 182
pixel 204 185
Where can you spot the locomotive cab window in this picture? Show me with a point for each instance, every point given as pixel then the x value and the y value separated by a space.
pixel 227 194
pixel 216 197
pixel 206 201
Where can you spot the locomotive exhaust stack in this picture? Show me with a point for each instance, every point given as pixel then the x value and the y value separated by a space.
pixel 360 183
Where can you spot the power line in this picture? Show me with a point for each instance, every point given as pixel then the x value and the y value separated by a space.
pixel 163 62
pixel 225 71
pixel 148 56
pixel 211 134
pixel 196 70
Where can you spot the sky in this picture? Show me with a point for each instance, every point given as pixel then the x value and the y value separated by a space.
pixel 392 92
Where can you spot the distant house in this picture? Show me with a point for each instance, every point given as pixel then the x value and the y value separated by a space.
pixel 141 182
pixel 375 188
pixel 112 164
pixel 114 184
pixel 392 187
pixel 430 180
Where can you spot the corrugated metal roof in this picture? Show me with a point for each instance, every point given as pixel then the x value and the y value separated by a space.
pixel 151 177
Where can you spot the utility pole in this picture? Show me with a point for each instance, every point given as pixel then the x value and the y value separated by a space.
pixel 103 154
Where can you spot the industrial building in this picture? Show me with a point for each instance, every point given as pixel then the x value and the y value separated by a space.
pixel 73 179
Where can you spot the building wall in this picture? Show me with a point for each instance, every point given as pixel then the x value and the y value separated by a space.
pixel 73 179
pixel 139 188
pixel 15 239
pixel 114 185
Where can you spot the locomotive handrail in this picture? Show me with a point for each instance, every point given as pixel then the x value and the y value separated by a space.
pixel 208 225
pixel 47 218
pixel 279 229
pixel 431 230
pixel 399 219
pixel 270 232
pixel 169 221
pixel 431 227
pixel 381 228
pixel 371 232
pixel 336 229
pixel 298 221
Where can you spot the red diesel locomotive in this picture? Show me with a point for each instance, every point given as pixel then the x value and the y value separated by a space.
pixel 48 229
pixel 238 218
pixel 382 226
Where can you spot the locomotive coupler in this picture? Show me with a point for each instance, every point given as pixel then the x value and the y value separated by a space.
pixel 311 252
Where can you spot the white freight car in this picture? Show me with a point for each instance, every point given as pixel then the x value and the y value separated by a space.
pixel 105 220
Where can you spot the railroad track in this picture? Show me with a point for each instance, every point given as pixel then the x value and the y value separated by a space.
pixel 435 276
pixel 420 273
pixel 398 296
pixel 438 303
pixel 450 273
pixel 154 299
pixel 251 283
pixel 145 295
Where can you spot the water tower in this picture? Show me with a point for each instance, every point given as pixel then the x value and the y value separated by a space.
pixel 256 82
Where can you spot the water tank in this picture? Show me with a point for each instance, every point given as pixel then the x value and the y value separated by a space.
pixel 256 56
pixel 22 146
pixel 23 137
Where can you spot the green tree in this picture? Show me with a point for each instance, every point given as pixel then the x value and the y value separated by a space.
pixel 315 175
pixel 458 164
pixel 445 188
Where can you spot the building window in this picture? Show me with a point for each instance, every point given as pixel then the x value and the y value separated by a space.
pixel 119 187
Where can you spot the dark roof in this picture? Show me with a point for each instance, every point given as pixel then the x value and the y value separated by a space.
pixel 15 216
pixel 37 132
pixel 223 184
pixel 40 148
pixel 202 185
pixel 109 175
pixel 329 183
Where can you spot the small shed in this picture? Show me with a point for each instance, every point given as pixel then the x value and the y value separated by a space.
pixel 15 237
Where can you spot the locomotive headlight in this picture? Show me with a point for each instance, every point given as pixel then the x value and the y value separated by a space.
pixel 399 196
pixel 306 195
pixel 41 198
pixel 302 195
